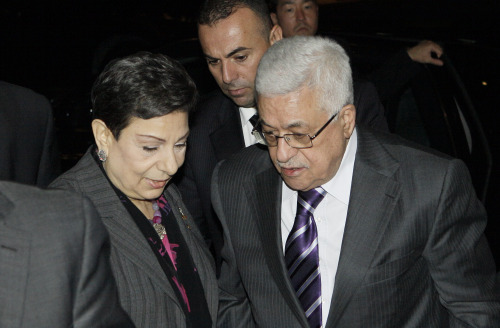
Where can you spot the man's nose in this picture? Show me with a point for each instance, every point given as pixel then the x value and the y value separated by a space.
pixel 284 152
pixel 229 73
pixel 299 14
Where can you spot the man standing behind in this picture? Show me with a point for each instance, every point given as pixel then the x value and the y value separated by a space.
pixel 340 226
pixel 300 17
pixel 234 34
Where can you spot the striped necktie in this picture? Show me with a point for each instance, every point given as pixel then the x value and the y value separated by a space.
pixel 302 256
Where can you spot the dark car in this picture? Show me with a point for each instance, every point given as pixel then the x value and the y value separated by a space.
pixel 452 108
pixel 434 108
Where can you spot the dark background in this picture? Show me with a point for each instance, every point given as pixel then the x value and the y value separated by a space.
pixel 57 47
pixel 52 43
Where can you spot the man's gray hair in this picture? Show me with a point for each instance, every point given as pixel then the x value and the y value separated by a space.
pixel 318 63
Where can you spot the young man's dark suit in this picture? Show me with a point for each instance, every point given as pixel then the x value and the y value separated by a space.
pixel 413 252
pixel 216 134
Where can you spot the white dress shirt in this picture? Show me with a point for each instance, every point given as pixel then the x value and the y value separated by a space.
pixel 247 127
pixel 330 217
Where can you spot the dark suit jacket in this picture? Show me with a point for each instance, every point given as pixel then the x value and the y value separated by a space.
pixel 216 134
pixel 28 152
pixel 54 262
pixel 144 290
pixel 413 252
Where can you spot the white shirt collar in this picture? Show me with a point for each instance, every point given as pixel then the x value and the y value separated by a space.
pixel 246 114
pixel 246 126
pixel 340 185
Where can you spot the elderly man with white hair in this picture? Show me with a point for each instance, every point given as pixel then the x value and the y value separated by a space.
pixel 336 225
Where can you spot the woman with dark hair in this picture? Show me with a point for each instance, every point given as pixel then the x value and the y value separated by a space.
pixel 163 269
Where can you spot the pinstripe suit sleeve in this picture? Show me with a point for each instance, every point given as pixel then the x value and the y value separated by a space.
pixel 459 258
pixel 234 306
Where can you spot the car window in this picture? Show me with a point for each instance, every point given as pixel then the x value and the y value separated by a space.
pixel 433 111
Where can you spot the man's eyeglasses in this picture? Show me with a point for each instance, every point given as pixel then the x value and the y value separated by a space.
pixel 294 140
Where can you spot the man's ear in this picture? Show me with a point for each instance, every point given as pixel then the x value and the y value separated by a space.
pixel 274 18
pixel 276 34
pixel 348 117
pixel 102 135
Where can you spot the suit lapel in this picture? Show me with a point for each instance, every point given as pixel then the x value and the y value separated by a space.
pixel 124 233
pixel 15 248
pixel 374 193
pixel 227 139
pixel 200 254
pixel 267 204
pixel 129 240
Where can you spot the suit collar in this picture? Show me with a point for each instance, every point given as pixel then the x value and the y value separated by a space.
pixel 267 204
pixel 374 193
pixel 128 239
pixel 198 250
pixel 373 196
pixel 124 233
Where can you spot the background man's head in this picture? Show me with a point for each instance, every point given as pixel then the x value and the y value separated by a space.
pixel 295 17
pixel 301 83
pixel 234 34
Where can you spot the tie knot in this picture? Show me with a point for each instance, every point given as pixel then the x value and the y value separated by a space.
pixel 254 119
pixel 309 200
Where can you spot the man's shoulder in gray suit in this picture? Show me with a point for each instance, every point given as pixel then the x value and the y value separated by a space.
pixel 48 203
pixel 405 152
pixel 84 170
pixel 54 257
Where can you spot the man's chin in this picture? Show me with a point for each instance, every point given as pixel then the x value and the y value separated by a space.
pixel 304 31
pixel 242 101
pixel 295 182
pixel 297 185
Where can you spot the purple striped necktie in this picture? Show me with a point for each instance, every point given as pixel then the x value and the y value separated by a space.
pixel 302 256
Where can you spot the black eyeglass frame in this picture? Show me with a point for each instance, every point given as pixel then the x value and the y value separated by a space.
pixel 259 135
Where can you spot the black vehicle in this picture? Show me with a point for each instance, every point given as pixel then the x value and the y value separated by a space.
pixel 452 108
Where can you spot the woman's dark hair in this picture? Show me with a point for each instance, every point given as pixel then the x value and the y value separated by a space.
pixel 142 85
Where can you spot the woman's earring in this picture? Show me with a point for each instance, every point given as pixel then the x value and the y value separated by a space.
pixel 102 155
